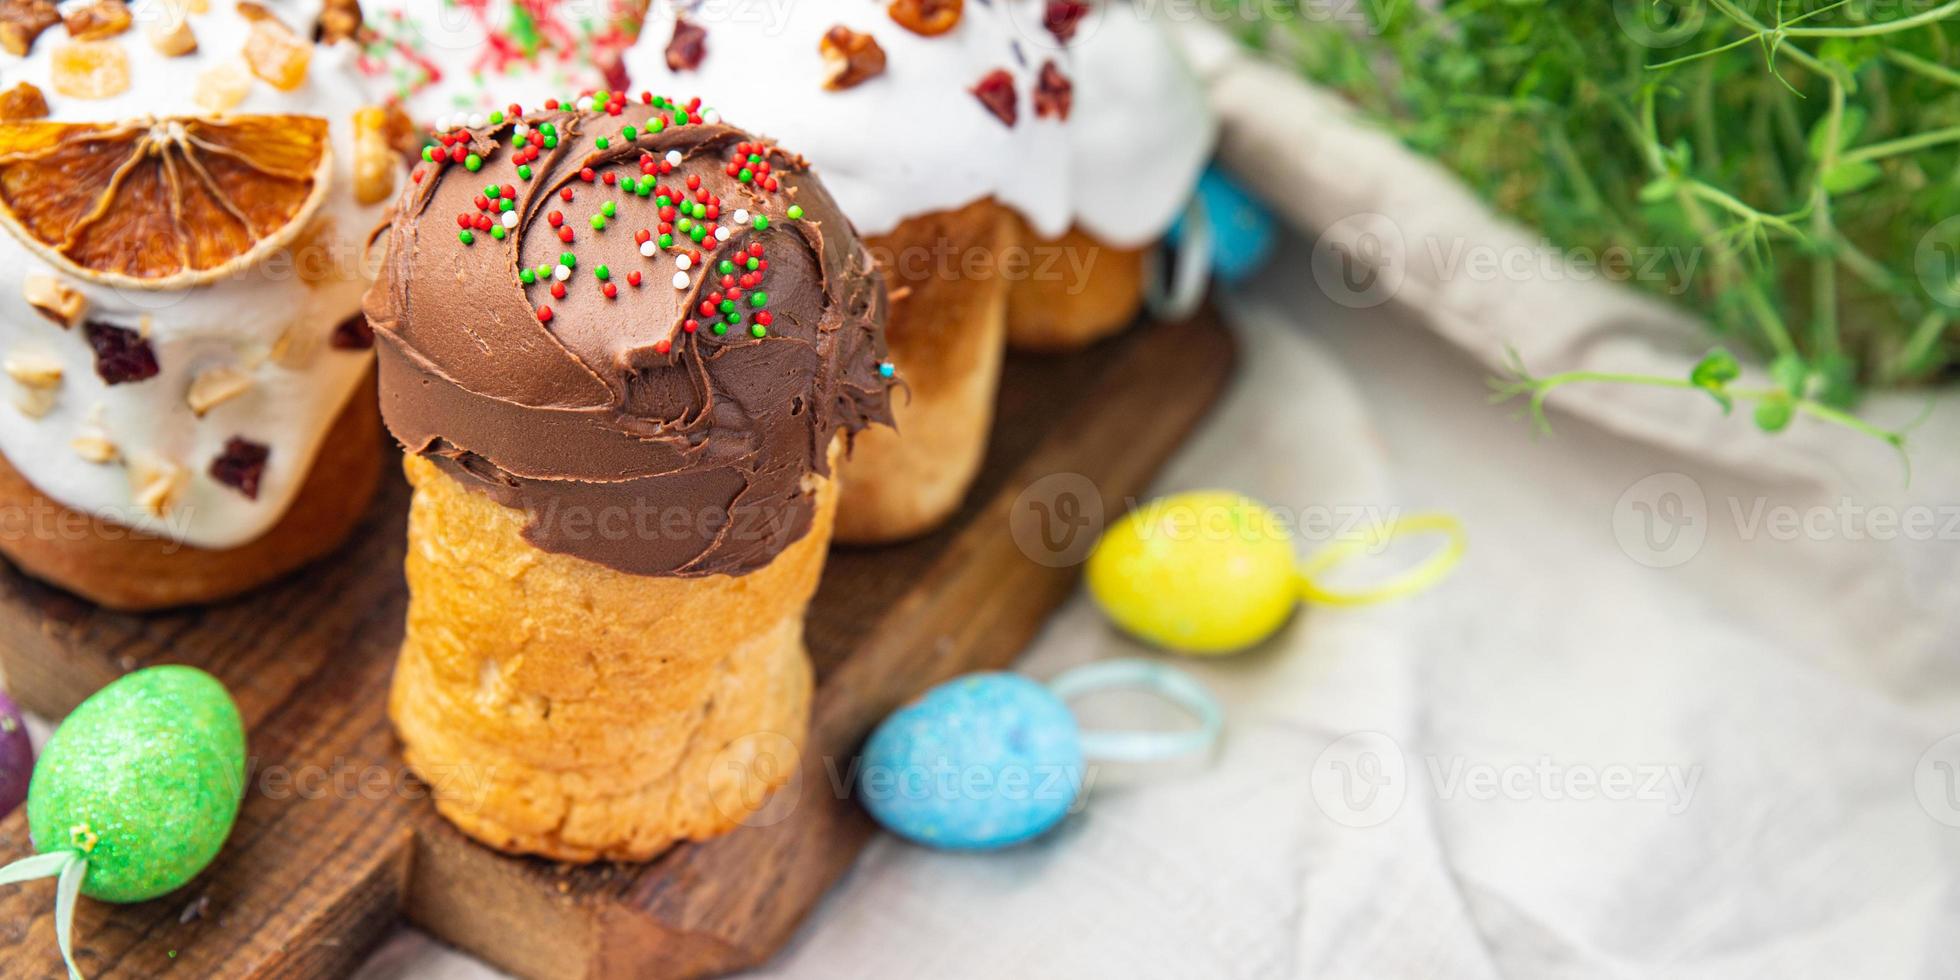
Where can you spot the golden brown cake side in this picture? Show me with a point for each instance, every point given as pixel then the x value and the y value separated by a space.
pixel 115 566
pixel 947 334
pixel 563 708
pixel 1068 311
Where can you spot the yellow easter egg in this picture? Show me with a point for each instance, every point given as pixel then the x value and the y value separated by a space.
pixel 1208 572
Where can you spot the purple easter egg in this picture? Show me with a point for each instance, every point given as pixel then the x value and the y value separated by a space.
pixel 16 756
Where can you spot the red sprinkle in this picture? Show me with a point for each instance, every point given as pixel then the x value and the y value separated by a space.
pixel 556 218
pixel 662 347
pixel 633 279
pixel 565 234
pixel 765 318
pixel 557 290
pixel 544 314
pixel 610 290
pixel 690 325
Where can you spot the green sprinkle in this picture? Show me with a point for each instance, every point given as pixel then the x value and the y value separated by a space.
pixel 746 175
pixel 524 171
pixel 720 328
pixel 473 162
pixel 598 222
pixel 759 330
pixel 733 318
pixel 758 300
pixel 666 241
pixel 507 205
pixel 680 118
pixel 428 154
pixel 630 133
pixel 497 232
pixel 551 142
pixel 726 268
pixel 697 233
pixel 727 306
pixel 602 143
pixel 609 209
pixel 684 224
pixel 493 192
pixel 659 125
pixel 753 263
pixel 602 272
pixel 568 260
pixel 761 222
pixel 528 277
pixel 518 140
pixel 699 210
pixel 755 158
pixel 795 211
pixel 466 237
pixel 496 119
pixel 663 201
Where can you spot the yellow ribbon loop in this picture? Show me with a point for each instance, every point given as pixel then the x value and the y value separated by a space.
pixel 1433 569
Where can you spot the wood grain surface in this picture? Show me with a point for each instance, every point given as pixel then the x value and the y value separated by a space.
pixel 336 842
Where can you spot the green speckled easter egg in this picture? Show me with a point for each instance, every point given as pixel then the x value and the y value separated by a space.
pixel 144 779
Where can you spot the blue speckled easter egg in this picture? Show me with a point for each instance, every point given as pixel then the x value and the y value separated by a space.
pixel 981 761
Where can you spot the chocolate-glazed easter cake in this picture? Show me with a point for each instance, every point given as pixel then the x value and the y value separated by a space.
pixel 623 345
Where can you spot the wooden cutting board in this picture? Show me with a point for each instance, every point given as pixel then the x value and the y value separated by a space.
pixel 335 841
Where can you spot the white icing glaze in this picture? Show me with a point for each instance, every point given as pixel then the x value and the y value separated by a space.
pixel 912 141
pixel 235 322
pixel 1141 131
pixel 442 58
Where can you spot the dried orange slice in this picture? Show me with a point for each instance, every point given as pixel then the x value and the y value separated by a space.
pixel 161 203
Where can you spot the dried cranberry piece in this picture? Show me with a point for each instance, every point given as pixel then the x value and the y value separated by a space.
pixel 850 58
pixel 353 333
pixel 121 354
pixel 688 46
pixel 1063 17
pixel 996 92
pixel 1054 94
pixel 241 466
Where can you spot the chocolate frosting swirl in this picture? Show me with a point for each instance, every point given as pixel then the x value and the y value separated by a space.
pixel 641 430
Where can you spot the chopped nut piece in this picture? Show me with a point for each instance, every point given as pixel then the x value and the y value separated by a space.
pixel 375 162
pixel 222 88
pixel 215 386
pixel 255 12
pixel 276 55
pixel 297 347
pixel 21 21
pixel 34 370
pixel 35 402
pixel 99 20
pixel 927 18
pixel 156 483
pixel 94 446
pixel 91 69
pixel 850 58
pixel 54 299
pixel 171 33
pixel 23 101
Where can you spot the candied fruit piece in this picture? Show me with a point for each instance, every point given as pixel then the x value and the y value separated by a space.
pixel 91 69
pixel 927 18
pixel 1054 94
pixel 171 34
pixel 21 21
pixel 851 58
pixel 97 21
pixel 23 101
pixel 222 88
pixel 241 466
pixel 375 161
pixel 687 47
pixel 277 56
pixel 996 92
pixel 121 355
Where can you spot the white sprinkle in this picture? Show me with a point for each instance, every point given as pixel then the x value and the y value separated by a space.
pixel 682 280
pixel 510 219
pixel 477 120
pixel 721 233
pixel 561 273
pixel 711 116
pixel 683 263
pixel 649 248
pixel 741 216
pixel 521 128
pixel 674 157
pixel 445 123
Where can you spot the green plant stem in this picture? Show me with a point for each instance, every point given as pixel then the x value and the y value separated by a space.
pixel 1905 144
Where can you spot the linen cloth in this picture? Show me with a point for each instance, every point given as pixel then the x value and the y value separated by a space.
pixel 1646 730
